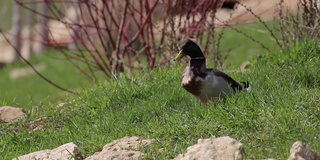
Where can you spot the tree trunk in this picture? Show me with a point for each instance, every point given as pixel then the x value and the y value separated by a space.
pixel 75 35
pixel 31 22
pixel 44 9
pixel 16 29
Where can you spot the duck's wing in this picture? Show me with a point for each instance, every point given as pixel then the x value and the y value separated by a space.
pixel 236 86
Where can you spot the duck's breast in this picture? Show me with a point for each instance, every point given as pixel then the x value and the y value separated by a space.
pixel 190 81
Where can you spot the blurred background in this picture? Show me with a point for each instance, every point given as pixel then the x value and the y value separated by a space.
pixel 51 48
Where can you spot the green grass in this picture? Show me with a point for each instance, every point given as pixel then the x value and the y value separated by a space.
pixel 31 89
pixel 282 108
pixel 237 44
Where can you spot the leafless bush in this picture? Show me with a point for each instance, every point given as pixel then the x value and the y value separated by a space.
pixel 121 36
pixel 114 36
pixel 298 28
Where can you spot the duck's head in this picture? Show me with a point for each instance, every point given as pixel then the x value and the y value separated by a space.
pixel 190 49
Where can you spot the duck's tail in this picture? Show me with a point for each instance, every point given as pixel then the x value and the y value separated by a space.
pixel 246 86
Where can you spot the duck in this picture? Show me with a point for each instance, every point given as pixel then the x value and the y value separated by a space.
pixel 207 84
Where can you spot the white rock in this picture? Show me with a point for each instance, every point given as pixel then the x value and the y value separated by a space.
pixel 68 151
pixel 10 114
pixel 116 155
pixel 21 72
pixel 37 124
pixel 121 149
pixel 214 149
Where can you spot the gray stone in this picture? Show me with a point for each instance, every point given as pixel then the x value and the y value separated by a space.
pixel 300 151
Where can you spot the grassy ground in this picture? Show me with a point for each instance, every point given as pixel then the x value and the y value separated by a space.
pixel 282 108
pixel 33 90
pixel 238 45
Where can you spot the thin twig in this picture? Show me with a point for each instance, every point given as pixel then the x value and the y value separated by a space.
pixel 34 69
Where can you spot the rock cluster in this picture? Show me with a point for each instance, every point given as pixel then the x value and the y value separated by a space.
pixel 205 149
pixel 127 148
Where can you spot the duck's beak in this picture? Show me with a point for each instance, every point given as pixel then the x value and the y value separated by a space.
pixel 179 56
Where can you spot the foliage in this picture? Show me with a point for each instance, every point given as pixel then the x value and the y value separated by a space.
pixel 301 59
pixel 31 89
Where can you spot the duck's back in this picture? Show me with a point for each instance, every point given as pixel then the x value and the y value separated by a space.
pixel 205 84
pixel 214 87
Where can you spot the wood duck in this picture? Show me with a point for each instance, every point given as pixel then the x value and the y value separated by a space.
pixel 206 83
